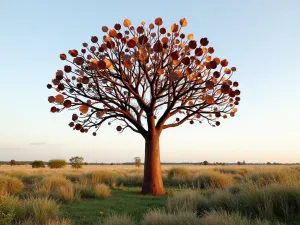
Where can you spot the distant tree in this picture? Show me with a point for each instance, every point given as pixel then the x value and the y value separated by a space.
pixel 205 162
pixel 147 79
pixel 85 163
pixel 269 163
pixel 13 162
pixel 57 163
pixel 38 164
pixel 244 162
pixel 239 163
pixel 137 161
pixel 76 162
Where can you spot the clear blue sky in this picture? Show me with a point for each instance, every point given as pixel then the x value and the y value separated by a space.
pixel 261 38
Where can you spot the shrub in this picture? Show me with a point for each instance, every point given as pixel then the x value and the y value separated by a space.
pixel 186 200
pixel 57 163
pixel 102 190
pixel 118 220
pixel 76 162
pixel 38 164
pixel 10 185
pixel 137 162
pixel 159 217
pixel 213 180
pixel 178 172
pixel 13 162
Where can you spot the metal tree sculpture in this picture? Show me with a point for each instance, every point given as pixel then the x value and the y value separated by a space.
pixel 142 77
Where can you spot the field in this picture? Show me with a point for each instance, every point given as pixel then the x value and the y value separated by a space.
pixel 110 195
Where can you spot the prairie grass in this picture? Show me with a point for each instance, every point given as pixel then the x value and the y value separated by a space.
pixel 179 172
pixel 222 195
pixel 225 218
pixel 213 180
pixel 68 193
pixel 10 185
pixel 186 200
pixel 92 190
pixel 39 210
pixel 57 187
pixel 102 190
pixel 49 222
pixel 266 177
pixel 36 210
pixel 130 180
pixel 18 174
pixel 74 177
pixel 99 177
pixel 118 220
pixel 234 171
pixel 273 202
pixel 33 178
pixel 160 217
pixel 132 168
pixel 53 182
pixel 113 185
pixel 8 208
pixel 85 190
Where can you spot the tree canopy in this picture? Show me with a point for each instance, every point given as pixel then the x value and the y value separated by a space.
pixel 135 74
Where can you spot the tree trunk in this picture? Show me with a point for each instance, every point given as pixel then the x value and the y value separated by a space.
pixel 153 183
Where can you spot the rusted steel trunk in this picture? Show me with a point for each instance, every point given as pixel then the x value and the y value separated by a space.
pixel 153 183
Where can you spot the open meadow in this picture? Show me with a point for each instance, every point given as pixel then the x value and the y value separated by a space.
pixel 150 112
pixel 110 194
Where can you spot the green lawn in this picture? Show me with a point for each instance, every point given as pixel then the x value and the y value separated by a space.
pixel 127 200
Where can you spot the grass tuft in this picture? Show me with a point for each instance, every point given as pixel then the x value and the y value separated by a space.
pixel 39 210
pixel 225 218
pixel 178 172
pixel 10 185
pixel 118 220
pixel 102 190
pixel 213 180
pixel 186 200
pixel 159 217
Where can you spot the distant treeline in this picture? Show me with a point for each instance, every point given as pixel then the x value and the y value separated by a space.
pixel 163 163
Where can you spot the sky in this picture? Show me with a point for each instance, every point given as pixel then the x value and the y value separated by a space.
pixel 260 38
